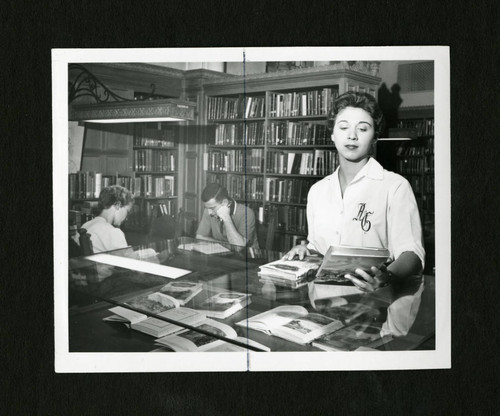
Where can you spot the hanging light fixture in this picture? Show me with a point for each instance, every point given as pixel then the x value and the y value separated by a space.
pixel 113 108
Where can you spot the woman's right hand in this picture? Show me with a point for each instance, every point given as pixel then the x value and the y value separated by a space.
pixel 300 250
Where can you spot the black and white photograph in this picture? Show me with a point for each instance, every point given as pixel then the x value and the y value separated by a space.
pixel 272 154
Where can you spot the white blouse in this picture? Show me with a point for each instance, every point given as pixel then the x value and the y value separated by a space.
pixel 378 210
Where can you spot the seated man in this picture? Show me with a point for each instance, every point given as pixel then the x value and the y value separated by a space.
pixel 225 220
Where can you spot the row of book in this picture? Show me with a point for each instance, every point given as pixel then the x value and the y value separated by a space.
pixel 306 103
pixel 287 241
pixel 221 179
pixel 246 187
pixel 290 219
pixel 317 162
pixel 234 160
pixel 296 133
pixel 292 191
pixel 154 137
pixel 147 160
pixel 228 108
pixel 240 134
pixel 421 184
pixel 424 127
pixel 154 186
pixel 154 209
pixel 418 148
pixel 87 184
pixel 410 166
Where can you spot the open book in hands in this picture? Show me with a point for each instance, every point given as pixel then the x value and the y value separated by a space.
pixel 340 260
pixel 293 323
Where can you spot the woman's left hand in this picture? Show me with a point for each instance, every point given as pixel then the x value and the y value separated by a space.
pixel 367 282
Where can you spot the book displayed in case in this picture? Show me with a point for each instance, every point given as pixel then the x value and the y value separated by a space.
pixel 193 341
pixel 224 304
pixel 293 323
pixel 158 304
pixel 272 143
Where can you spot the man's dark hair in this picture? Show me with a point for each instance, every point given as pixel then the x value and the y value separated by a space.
pixel 358 100
pixel 214 190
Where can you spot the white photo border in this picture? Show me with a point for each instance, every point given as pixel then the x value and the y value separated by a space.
pixel 66 362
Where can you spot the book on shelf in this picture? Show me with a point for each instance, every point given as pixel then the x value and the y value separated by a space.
pixel 194 341
pixel 183 292
pixel 224 304
pixel 340 260
pixel 158 304
pixel 351 338
pixel 293 323
pixel 207 247
pixel 290 273
pixel 154 137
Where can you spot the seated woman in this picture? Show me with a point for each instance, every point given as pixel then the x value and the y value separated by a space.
pixel 115 203
pixel 362 204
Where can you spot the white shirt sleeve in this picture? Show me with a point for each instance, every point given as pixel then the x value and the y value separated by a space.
pixel 310 220
pixel 404 227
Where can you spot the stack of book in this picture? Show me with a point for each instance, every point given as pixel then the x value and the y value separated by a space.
pixel 290 273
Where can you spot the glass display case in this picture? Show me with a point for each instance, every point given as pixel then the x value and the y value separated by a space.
pixel 192 295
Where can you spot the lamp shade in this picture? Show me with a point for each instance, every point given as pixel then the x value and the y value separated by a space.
pixel 134 111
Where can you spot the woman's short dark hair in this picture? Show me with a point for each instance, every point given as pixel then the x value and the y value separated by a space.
pixel 110 195
pixel 358 100
pixel 216 191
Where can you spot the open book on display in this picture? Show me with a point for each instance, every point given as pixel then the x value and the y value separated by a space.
pixel 194 341
pixel 293 323
pixel 183 292
pixel 158 304
pixel 225 304
pixel 205 247
pixel 351 338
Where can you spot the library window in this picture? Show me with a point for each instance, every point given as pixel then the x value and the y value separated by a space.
pixel 416 76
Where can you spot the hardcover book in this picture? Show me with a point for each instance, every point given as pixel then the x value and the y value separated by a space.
pixel 291 269
pixel 193 341
pixel 351 338
pixel 293 323
pixel 154 326
pixel 182 291
pixel 340 260
pixel 225 304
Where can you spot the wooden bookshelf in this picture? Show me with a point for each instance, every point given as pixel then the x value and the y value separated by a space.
pixel 271 141
pixel 415 161
pixel 155 164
